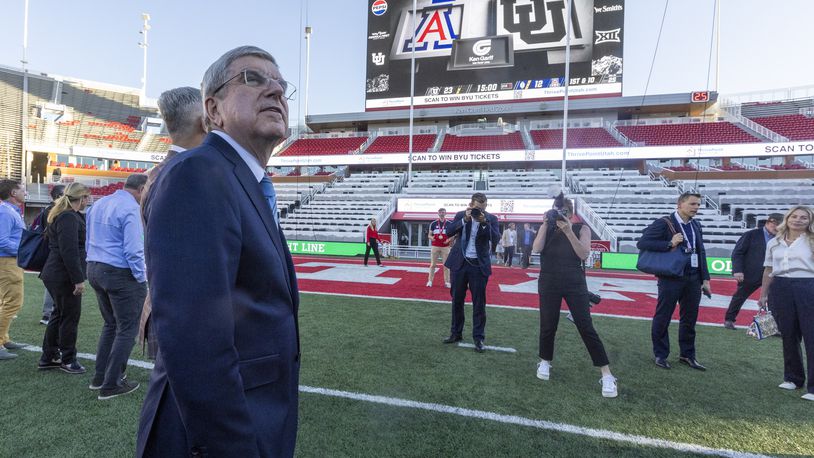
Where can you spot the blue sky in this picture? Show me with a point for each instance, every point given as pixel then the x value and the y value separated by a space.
pixel 763 46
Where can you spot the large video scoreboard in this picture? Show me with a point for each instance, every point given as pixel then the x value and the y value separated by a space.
pixel 491 51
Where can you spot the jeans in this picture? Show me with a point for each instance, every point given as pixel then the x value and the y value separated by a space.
pixel 121 299
pixel 47 304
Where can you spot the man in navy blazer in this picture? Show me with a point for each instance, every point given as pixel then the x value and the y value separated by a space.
pixel 470 266
pixel 747 264
pixel 222 282
pixel 681 233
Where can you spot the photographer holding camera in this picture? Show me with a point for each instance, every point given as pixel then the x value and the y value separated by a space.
pixel 470 264
pixel 563 248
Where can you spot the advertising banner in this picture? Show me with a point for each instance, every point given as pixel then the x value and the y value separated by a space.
pixel 326 248
pixel 627 261
pixel 486 51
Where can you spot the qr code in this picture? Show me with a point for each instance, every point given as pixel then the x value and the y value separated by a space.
pixel 506 206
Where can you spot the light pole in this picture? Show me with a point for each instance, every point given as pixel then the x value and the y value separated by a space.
pixel 145 17
pixel 567 83
pixel 308 31
pixel 412 92
pixel 24 111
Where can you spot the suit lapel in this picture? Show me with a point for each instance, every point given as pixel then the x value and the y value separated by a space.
pixel 252 188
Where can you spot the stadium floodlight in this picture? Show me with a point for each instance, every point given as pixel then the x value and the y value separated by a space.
pixel 145 17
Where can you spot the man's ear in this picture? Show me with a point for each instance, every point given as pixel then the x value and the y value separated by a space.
pixel 212 112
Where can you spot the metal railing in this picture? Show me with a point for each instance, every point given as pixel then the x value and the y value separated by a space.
pixel 619 136
pixel 734 116
pixel 597 223
pixel 771 96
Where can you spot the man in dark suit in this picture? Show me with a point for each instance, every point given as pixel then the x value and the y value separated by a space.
pixel 222 281
pixel 679 231
pixel 747 265
pixel 182 111
pixel 470 264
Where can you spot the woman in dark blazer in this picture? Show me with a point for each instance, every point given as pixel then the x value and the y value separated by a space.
pixel 64 277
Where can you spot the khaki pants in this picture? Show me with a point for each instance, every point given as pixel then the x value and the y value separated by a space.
pixel 11 294
pixel 435 253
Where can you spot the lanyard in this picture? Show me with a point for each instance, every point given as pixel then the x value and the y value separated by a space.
pixel 690 241
pixel 441 225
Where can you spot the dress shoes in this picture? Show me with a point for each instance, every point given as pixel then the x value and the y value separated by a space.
pixel 479 346
pixel 662 363
pixel 453 338
pixel 693 363
pixel 730 325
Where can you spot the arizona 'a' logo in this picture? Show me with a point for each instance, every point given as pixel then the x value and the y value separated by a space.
pixel 435 31
pixel 529 19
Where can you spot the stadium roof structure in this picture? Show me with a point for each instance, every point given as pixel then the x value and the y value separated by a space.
pixel 659 103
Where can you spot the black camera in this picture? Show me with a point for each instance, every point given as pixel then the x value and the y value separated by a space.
pixel 593 299
pixel 475 213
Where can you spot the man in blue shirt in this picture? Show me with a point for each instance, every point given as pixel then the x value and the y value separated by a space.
pixel 13 195
pixel 115 244
pixel 526 238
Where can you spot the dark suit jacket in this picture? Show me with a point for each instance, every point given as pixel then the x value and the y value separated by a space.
pixel 488 235
pixel 66 260
pixel 749 254
pixel 225 300
pixel 656 235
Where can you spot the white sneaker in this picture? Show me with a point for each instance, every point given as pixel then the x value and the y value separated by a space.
pixel 787 386
pixel 608 386
pixel 543 370
pixel 447 284
pixel 808 396
pixel 429 284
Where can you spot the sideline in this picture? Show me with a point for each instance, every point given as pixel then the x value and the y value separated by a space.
pixel 491 416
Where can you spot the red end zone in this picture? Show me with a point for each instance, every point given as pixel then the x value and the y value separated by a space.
pixel 623 294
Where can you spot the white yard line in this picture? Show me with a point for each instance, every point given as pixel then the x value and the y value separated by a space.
pixel 492 416
pixel 496 306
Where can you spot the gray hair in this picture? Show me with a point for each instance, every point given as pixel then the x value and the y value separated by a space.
pixel 135 181
pixel 181 109
pixel 217 74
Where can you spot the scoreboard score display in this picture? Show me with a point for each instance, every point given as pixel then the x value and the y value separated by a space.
pixel 491 51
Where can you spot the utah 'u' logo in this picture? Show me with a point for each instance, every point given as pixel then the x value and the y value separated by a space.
pixel 518 19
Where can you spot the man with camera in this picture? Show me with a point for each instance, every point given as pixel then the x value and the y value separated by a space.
pixel 470 265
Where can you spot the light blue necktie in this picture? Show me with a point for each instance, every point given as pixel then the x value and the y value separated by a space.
pixel 271 196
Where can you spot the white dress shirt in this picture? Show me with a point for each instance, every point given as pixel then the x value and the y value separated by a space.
pixel 790 261
pixel 254 164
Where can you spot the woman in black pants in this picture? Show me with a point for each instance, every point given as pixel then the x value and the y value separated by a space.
pixel 372 241
pixel 64 277
pixel 564 247
pixel 788 290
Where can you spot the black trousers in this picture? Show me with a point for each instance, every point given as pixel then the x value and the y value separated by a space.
pixel 686 291
pixel 373 245
pixel 508 255
pixel 469 277
pixel 60 334
pixel 745 289
pixel 567 283
pixel 525 260
pixel 792 304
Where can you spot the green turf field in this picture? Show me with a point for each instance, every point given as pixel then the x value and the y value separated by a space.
pixel 393 349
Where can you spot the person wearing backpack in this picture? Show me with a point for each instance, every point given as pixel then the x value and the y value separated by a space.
pixel 40 223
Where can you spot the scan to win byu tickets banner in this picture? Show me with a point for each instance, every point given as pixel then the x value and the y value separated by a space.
pixel 478 51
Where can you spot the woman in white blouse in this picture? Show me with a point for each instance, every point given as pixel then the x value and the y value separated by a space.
pixel 788 284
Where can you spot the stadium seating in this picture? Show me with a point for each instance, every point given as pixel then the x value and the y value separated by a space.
pixel 323 146
pixel 400 144
pixel 706 133
pixel 592 137
pixel 483 142
pixel 793 127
